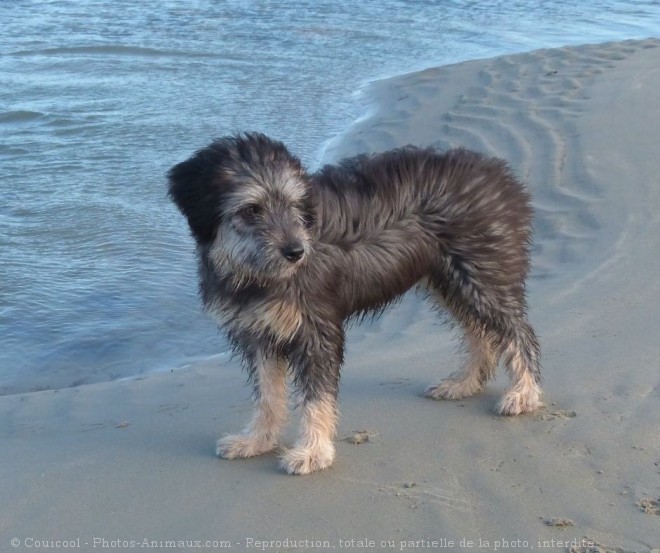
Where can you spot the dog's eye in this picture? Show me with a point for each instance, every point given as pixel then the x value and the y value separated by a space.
pixel 250 212
pixel 308 220
pixel 308 216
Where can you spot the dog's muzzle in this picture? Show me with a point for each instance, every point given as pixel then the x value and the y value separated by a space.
pixel 293 252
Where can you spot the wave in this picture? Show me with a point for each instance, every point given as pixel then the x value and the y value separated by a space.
pixel 113 50
pixel 20 116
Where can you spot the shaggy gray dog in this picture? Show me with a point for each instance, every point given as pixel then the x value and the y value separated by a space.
pixel 286 258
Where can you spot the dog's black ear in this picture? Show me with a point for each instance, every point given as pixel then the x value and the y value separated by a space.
pixel 191 188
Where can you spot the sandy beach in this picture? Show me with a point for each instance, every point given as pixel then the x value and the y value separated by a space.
pixel 118 465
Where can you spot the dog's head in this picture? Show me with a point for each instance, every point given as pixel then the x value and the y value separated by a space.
pixel 249 206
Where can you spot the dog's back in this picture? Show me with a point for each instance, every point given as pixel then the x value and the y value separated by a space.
pixel 366 194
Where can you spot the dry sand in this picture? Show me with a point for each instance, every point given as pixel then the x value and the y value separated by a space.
pixel 134 459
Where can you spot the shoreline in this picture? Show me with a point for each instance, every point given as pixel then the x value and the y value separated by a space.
pixel 134 458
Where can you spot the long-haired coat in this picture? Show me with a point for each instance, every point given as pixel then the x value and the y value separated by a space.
pixel 286 257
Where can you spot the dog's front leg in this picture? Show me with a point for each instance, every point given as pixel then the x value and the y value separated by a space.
pixel 316 368
pixel 314 450
pixel 263 431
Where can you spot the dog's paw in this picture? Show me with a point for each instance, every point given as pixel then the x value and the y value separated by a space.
pixel 452 389
pixel 305 460
pixel 237 446
pixel 520 399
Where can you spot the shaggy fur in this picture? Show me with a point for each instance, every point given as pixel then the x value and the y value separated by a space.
pixel 286 258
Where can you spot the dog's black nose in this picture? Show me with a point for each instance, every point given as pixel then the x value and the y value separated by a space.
pixel 293 252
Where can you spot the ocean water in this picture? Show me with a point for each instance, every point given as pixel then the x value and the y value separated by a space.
pixel 98 98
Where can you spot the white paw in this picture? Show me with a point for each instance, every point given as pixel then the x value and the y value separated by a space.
pixel 453 389
pixel 236 446
pixel 520 399
pixel 305 460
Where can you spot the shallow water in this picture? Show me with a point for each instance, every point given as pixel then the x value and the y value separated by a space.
pixel 99 98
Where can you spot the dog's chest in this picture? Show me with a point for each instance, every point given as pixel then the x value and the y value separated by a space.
pixel 273 318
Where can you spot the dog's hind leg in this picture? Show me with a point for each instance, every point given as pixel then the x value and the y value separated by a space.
pixel 489 301
pixel 263 431
pixel 521 352
pixel 470 379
